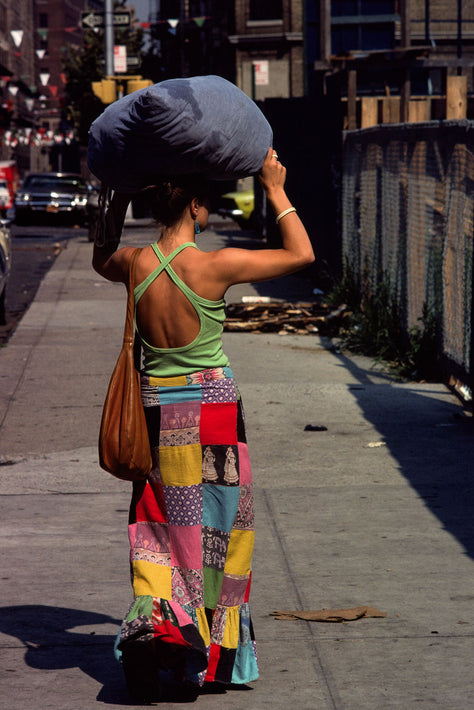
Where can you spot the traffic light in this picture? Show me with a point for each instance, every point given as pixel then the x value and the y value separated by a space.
pixel 106 90
pixel 113 87
pixel 137 83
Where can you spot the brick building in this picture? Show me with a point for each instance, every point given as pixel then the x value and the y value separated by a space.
pixel 57 24
pixel 438 23
pixel 269 48
pixel 447 28
pixel 394 60
pixel 190 37
pixel 33 34
pixel 17 60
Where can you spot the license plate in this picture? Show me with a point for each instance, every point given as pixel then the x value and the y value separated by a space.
pixel 52 208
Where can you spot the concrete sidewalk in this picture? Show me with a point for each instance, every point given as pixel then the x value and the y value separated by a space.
pixel 377 510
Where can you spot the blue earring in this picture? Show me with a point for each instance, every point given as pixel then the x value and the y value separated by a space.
pixel 197 229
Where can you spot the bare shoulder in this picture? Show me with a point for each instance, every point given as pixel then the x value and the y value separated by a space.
pixel 226 266
pixel 221 258
pixel 201 271
pixel 113 265
pixel 232 265
pixel 217 263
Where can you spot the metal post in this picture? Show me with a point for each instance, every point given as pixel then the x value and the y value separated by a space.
pixel 325 29
pixel 427 22
pixel 181 35
pixel 405 17
pixel 406 42
pixel 109 37
pixel 459 43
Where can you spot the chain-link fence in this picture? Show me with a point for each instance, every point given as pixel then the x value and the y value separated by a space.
pixel 408 220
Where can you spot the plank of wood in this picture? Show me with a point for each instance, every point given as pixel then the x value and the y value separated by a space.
pixel 456 97
pixel 369 111
pixel 419 110
pixel 351 99
pixel 391 109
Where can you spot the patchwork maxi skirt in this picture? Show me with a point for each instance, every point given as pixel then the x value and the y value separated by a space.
pixel 191 530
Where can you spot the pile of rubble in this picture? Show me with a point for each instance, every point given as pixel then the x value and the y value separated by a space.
pixel 283 318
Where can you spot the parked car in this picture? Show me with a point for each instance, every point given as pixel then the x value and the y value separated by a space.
pixel 5 264
pixel 5 197
pixel 9 173
pixel 239 206
pixel 58 196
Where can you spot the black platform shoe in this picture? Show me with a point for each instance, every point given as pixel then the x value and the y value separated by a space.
pixel 140 665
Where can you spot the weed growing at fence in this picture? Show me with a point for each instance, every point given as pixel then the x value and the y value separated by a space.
pixel 375 327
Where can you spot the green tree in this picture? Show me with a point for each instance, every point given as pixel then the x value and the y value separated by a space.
pixel 81 68
pixel 86 65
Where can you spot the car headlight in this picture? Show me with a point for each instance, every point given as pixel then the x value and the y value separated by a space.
pixel 23 197
pixel 79 200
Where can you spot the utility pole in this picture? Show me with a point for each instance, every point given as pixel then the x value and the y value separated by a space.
pixel 325 30
pixel 459 38
pixel 109 37
pixel 406 42
pixel 427 23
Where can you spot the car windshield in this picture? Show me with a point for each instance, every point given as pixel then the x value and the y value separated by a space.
pixel 46 182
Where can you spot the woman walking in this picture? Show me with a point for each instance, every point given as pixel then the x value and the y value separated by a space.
pixel 191 524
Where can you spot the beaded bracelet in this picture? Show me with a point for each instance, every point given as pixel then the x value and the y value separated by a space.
pixel 284 213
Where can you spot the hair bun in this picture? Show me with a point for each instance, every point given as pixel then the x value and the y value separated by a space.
pixel 169 197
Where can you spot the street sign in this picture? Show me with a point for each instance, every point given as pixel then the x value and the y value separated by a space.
pixel 120 59
pixel 261 72
pixel 131 61
pixel 91 20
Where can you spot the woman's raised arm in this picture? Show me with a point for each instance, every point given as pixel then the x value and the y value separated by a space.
pixel 243 265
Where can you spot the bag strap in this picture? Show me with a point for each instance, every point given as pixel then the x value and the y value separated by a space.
pixel 128 330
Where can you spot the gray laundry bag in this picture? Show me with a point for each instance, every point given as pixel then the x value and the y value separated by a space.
pixel 201 124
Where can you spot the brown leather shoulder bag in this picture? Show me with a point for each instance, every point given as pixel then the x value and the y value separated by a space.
pixel 124 447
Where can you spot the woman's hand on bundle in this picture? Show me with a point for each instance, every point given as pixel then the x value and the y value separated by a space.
pixel 273 174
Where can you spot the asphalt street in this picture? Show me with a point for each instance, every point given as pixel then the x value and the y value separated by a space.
pixel 376 509
pixel 34 249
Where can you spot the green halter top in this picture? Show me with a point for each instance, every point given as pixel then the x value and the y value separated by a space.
pixel 205 351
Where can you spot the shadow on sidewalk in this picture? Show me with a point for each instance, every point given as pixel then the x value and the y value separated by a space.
pixel 53 641
pixel 431 439
pixel 433 445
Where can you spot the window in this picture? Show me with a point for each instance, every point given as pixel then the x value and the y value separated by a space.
pixel 265 10
pixel 170 9
pixel 362 25
pixel 362 7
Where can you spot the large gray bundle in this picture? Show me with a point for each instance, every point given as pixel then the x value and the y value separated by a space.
pixel 203 124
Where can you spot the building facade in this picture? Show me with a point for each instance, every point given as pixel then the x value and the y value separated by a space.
pixel 430 38
pixel 269 48
pixel 58 24
pixel 33 38
pixel 17 62
pixel 190 38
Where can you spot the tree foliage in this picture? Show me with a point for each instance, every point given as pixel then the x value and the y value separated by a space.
pixel 81 68
pixel 87 64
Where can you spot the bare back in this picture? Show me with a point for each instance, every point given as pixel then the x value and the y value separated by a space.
pixel 165 316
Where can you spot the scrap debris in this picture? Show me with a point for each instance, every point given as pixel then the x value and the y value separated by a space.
pixel 283 317
pixel 331 615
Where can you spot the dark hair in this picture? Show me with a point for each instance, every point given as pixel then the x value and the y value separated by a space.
pixel 169 198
